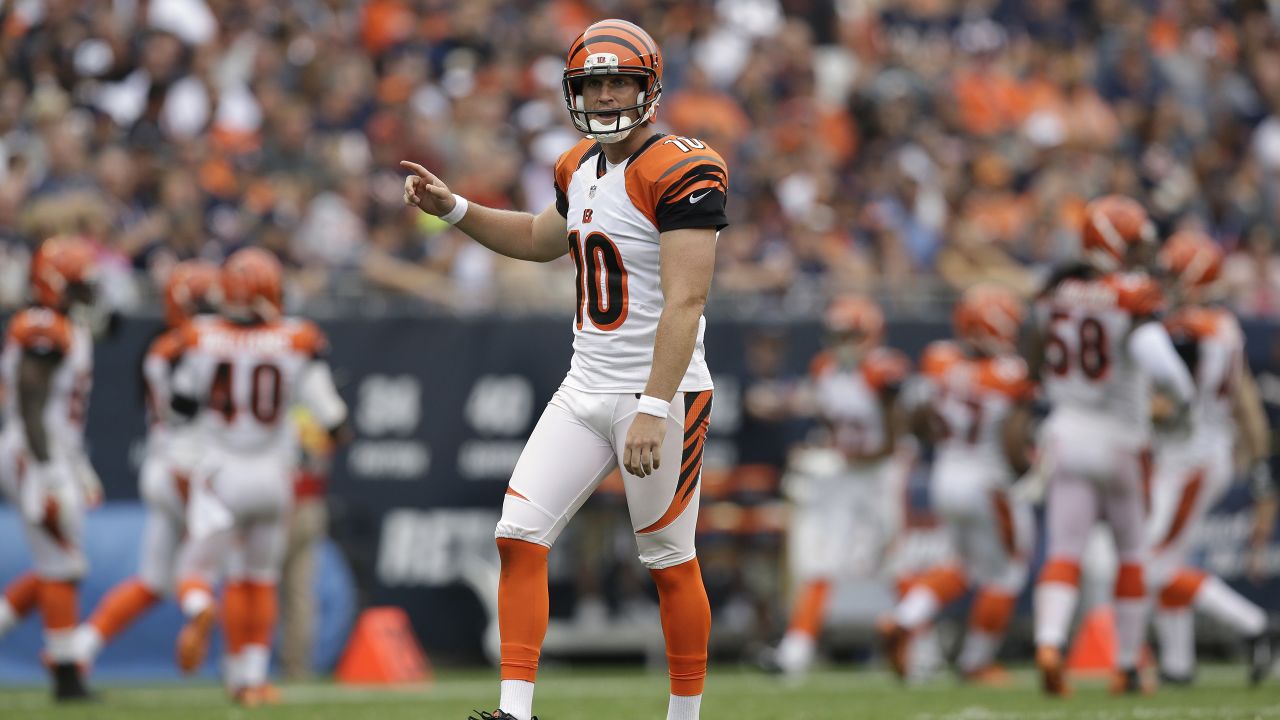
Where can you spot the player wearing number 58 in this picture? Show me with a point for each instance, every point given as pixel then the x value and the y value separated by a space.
pixel 638 212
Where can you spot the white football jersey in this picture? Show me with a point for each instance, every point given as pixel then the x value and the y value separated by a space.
pixel 42 330
pixel 973 398
pixel 849 406
pixel 615 217
pixel 1212 342
pixel 1087 367
pixel 246 379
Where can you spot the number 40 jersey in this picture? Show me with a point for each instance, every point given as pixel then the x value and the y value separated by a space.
pixel 247 377
pixel 615 216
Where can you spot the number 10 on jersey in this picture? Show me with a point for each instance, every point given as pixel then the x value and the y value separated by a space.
pixel 601 280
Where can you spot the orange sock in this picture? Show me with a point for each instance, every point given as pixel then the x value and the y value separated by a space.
pixel 58 604
pixel 121 606
pixel 523 606
pixel 1181 590
pixel 946 582
pixel 811 607
pixel 686 625
pixel 23 593
pixel 264 608
pixel 235 615
pixel 992 610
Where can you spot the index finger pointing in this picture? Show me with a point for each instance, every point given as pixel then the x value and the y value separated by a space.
pixel 417 169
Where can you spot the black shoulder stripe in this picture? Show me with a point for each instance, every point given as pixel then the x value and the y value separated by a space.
pixel 692 178
pixel 590 153
pixel 706 158
pixel 647 144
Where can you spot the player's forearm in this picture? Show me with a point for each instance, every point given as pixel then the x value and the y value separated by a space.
pixel 503 231
pixel 1252 418
pixel 33 396
pixel 673 347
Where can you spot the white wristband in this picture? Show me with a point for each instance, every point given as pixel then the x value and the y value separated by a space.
pixel 460 206
pixel 653 406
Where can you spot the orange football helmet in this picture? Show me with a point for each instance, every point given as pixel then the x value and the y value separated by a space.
pixel 613 47
pixel 251 285
pixel 60 263
pixel 188 289
pixel 1114 225
pixel 989 318
pixel 854 315
pixel 1192 258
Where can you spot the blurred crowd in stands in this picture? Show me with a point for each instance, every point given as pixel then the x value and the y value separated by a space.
pixel 903 147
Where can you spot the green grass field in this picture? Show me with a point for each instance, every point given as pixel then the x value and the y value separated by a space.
pixel 731 695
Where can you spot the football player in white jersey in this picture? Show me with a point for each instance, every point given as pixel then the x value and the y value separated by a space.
pixel 186 294
pixel 977 395
pixel 1192 473
pixel 237 379
pixel 638 213
pixel 46 370
pixel 1099 349
pixel 846 488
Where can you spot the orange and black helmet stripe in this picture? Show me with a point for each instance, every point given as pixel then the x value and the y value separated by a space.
pixel 626 39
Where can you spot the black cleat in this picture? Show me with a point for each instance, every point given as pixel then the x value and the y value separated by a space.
pixel 495 715
pixel 1261 657
pixel 68 684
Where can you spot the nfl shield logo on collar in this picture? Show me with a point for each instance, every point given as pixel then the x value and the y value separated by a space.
pixel 591 193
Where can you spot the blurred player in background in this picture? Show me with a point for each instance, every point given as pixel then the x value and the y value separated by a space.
pixel 1099 349
pixel 640 211
pixel 46 370
pixel 187 293
pixel 976 413
pixel 845 484
pixel 1192 473
pixel 238 377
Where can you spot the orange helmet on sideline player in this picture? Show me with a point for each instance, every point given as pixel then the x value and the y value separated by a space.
pixel 854 319
pixel 187 290
pixel 1114 225
pixel 1192 258
pixel 60 263
pixel 613 47
pixel 251 285
pixel 988 317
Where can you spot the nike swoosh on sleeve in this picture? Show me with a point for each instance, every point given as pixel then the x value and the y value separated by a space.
pixel 696 198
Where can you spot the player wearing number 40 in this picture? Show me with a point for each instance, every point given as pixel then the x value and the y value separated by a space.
pixel 638 212
pixel 229 434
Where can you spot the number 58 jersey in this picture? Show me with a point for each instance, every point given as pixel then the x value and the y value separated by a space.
pixel 615 217
pixel 247 377
pixel 1087 364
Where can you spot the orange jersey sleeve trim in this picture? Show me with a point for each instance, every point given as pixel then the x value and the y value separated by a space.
pixel 1008 376
pixel 1137 294
pixel 169 345
pixel 570 161
pixel 884 368
pixel 308 339
pixel 41 330
pixel 672 172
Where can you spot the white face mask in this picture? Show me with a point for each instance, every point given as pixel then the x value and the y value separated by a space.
pixel 609 133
